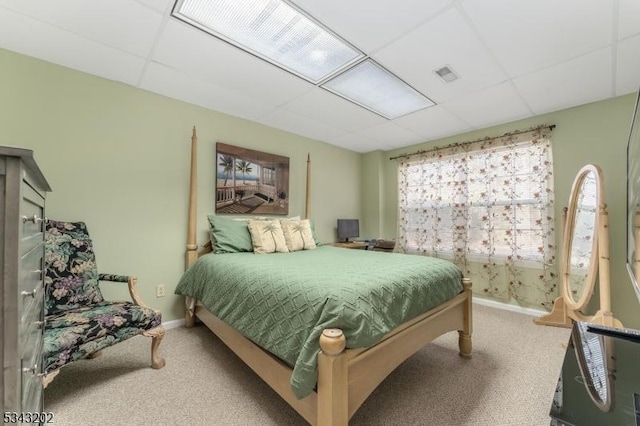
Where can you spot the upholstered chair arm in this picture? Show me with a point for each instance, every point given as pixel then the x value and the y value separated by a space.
pixel 114 278
pixel 131 281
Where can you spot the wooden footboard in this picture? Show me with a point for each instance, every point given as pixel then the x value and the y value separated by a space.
pixel 346 377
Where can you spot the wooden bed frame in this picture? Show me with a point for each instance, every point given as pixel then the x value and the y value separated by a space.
pixel 346 377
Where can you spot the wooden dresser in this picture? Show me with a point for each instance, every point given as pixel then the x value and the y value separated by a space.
pixel 22 307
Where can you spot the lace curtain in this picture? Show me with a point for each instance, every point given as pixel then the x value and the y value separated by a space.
pixel 488 207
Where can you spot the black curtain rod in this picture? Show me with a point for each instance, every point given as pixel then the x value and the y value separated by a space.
pixel 518 132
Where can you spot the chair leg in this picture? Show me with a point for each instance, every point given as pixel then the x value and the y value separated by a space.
pixel 156 335
pixel 48 378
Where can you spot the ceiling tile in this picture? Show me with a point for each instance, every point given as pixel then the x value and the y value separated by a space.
pixel 562 86
pixel 136 25
pixel 292 122
pixel 159 5
pixel 369 25
pixel 168 82
pixel 31 37
pixel 445 40
pixel 355 142
pixel 560 54
pixel 332 110
pixel 433 123
pixel 193 52
pixel 498 104
pixel 536 34
pixel 390 135
pixel 629 18
pixel 628 66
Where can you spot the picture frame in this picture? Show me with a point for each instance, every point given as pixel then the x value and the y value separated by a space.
pixel 250 181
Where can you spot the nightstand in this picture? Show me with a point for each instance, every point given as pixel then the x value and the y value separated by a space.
pixel 352 245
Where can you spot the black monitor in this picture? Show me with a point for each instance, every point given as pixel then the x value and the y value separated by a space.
pixel 348 228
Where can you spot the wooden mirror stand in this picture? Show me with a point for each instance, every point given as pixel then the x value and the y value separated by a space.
pixel 585 254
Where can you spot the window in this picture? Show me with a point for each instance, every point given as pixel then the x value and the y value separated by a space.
pixel 479 203
pixel 488 207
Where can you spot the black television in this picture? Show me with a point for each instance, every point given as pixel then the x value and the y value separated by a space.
pixel 633 199
pixel 348 228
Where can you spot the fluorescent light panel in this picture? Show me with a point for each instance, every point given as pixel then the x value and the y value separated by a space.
pixel 279 33
pixel 273 30
pixel 375 88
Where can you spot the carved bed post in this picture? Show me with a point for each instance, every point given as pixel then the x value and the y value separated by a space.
pixel 464 336
pixel 333 379
pixel 192 246
pixel 307 197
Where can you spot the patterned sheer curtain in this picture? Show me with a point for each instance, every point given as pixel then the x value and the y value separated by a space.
pixel 488 207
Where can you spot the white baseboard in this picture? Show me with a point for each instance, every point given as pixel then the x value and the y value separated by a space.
pixel 508 307
pixel 173 324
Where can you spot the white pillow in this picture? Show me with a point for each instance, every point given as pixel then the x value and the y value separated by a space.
pixel 297 234
pixel 267 236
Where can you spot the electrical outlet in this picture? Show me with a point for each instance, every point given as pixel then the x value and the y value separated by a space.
pixel 160 290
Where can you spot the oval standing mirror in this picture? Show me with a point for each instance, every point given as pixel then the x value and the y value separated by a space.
pixel 580 240
pixel 585 254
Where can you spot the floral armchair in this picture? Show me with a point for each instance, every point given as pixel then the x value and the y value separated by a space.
pixel 79 323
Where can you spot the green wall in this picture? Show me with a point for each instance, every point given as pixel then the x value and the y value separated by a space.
pixel 593 133
pixel 118 158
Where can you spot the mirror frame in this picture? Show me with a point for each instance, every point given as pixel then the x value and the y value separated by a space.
pixel 568 234
pixel 633 201
pixel 566 310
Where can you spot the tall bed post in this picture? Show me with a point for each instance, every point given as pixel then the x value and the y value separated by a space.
pixel 307 198
pixel 192 246
pixel 636 238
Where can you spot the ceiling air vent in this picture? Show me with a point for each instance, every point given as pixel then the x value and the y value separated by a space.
pixel 446 74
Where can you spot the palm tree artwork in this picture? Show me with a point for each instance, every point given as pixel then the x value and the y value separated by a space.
pixel 248 181
pixel 226 162
pixel 299 227
pixel 244 167
pixel 271 228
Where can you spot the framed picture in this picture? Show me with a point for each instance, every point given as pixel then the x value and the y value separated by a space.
pixel 251 182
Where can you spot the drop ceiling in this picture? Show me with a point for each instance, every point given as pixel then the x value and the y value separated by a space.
pixel 514 60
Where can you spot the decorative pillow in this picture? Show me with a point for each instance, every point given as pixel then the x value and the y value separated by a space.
pixel 267 236
pixel 229 235
pixel 298 234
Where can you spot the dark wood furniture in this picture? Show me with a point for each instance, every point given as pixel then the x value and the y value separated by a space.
pixel 351 245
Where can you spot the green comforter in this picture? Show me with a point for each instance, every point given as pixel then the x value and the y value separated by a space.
pixel 283 301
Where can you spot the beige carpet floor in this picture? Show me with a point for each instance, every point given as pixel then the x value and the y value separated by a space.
pixel 509 381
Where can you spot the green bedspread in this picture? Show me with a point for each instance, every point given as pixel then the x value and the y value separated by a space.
pixel 283 301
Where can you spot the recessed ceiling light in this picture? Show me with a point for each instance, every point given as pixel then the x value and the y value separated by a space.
pixel 375 88
pixel 273 30
pixel 446 74
pixel 283 35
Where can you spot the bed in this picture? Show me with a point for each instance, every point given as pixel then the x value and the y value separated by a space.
pixel 323 327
